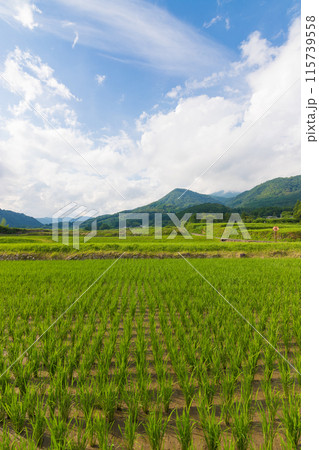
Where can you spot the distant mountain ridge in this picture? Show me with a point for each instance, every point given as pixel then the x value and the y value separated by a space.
pixel 279 192
pixel 177 200
pixel 44 220
pixel 283 192
pixel 18 220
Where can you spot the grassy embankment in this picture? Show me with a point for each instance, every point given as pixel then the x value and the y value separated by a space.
pixel 39 245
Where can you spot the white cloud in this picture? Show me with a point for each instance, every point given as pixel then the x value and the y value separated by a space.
pixel 55 174
pixel 23 11
pixel 174 93
pixel 40 172
pixel 100 79
pixel 231 90
pixel 212 21
pixel 25 14
pixel 76 38
pixel 280 33
pixel 205 83
pixel 67 23
pixel 257 51
pixel 28 76
pixel 215 20
pixel 139 32
pixel 192 136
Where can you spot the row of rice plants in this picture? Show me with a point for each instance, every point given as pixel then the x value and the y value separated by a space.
pixel 151 353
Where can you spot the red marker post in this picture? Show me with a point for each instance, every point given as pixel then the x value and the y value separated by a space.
pixel 275 229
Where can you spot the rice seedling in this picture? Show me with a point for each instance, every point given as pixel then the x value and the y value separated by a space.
pixel 86 401
pixel 58 432
pixel 155 428
pixel 160 369
pixel 22 376
pixel 6 440
pixel 270 355
pixel 166 392
pixel 272 400
pixel 130 430
pixel 207 385
pixel 228 444
pixel 79 442
pixel 210 425
pixel 52 401
pixel 90 430
pixel 65 402
pixel 247 386
pixel 185 426
pixel 253 358
pixel 285 375
pixel 228 389
pixel 241 423
pixel 16 409
pixel 132 400
pixel 188 387
pixel 103 428
pixel 3 403
pixel 28 445
pixel 145 396
pixel 38 423
pixel 292 419
pixel 268 427
pixel 108 398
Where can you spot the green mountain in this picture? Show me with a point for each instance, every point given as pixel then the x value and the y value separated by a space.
pixel 169 203
pixel 177 200
pixel 280 192
pixel 18 220
pixel 206 208
pixel 104 222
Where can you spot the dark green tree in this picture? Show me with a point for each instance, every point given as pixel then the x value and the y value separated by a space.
pixel 297 210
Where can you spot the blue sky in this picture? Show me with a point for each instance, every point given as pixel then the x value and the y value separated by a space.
pixel 119 79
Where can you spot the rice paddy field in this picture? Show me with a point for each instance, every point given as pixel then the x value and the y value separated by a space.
pixel 39 245
pixel 150 353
